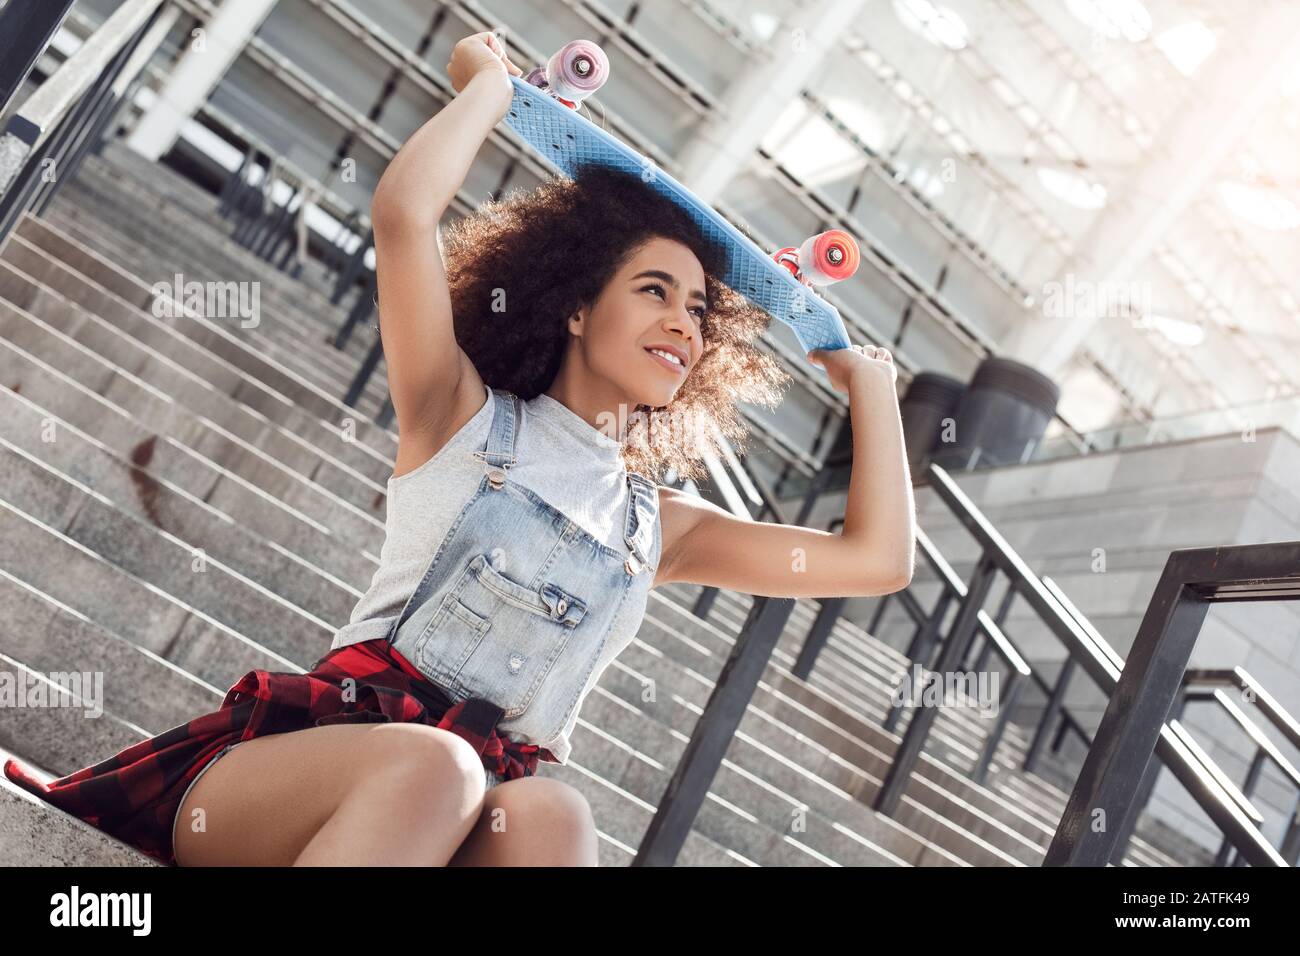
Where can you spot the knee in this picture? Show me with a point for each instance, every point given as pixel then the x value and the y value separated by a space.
pixel 550 811
pixel 419 765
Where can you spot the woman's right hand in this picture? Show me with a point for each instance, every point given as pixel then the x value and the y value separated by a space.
pixel 478 53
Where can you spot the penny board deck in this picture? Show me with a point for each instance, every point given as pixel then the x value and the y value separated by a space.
pixel 568 141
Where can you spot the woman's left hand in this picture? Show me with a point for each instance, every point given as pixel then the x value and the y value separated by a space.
pixel 842 365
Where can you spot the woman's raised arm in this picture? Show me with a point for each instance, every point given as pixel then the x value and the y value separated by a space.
pixel 433 384
pixel 874 553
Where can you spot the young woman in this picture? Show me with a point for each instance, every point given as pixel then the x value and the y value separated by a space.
pixel 548 360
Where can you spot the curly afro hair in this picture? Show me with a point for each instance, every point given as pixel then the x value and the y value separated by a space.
pixel 524 247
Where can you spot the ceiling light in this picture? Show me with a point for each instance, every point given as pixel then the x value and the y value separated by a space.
pixel 1178 331
pixel 1187 45
pixel 1265 207
pixel 1116 19
pixel 939 25
pixel 763 25
pixel 1072 188
pixel 812 150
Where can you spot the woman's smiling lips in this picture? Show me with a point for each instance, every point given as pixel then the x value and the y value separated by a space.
pixel 666 363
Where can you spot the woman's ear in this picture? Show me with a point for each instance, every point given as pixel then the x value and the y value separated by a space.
pixel 576 322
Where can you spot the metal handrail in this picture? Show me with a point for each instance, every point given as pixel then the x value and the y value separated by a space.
pixel 25 33
pixel 1087 650
pixel 46 138
pixel 1135 721
pixel 1206 685
pixel 996 556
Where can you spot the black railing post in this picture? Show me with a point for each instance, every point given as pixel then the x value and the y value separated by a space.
pixel 1290 848
pixel 923 718
pixel 361 310
pixel 873 626
pixel 927 635
pixel 358 384
pixel 1008 702
pixel 1051 710
pixel 714 732
pixel 818 635
pixel 353 269
pixel 1247 790
pixel 1133 727
pixel 26 29
pixel 704 603
pixel 234 185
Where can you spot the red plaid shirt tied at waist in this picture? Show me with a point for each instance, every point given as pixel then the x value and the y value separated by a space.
pixel 134 795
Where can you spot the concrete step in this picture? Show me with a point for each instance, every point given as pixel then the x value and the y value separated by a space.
pixel 308 348
pixel 306 357
pixel 38 267
pixel 127 393
pixel 205 583
pixel 153 464
pixel 34 833
pixel 101 193
pixel 76 329
pixel 105 287
pixel 151 499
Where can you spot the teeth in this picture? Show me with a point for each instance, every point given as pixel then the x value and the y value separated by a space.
pixel 668 355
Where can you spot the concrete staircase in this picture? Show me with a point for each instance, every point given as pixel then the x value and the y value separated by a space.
pixel 183 500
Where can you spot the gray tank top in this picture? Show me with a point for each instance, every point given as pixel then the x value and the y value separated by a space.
pixel 560 458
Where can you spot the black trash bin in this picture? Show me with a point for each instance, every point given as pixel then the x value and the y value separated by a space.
pixel 1004 412
pixel 931 398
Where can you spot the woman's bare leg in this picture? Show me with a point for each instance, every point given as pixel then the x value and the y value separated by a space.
pixel 370 794
pixel 531 821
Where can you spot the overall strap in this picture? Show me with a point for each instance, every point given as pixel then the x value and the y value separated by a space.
pixel 639 529
pixel 498 453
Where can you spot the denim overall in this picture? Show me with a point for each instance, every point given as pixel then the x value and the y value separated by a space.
pixel 518 600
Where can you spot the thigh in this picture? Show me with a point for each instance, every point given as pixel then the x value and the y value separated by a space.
pixel 264 800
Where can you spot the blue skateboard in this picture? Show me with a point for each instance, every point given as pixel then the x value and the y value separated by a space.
pixel 544 114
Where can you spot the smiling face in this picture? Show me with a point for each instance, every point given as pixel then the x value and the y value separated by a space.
pixel 643 334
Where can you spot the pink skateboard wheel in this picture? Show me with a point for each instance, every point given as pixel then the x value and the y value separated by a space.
pixel 579 69
pixel 829 257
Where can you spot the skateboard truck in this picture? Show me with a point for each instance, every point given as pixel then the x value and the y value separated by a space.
pixel 573 73
pixel 824 259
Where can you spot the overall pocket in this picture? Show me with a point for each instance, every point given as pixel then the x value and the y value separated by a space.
pixel 497 639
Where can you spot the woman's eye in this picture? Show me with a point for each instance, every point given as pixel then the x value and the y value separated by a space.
pixel 656 288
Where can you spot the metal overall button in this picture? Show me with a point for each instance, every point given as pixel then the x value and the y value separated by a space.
pixel 564 607
pixel 633 564
pixel 496 478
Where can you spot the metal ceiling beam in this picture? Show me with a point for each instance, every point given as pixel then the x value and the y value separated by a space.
pixel 1189 150
pixel 197 75
pixel 758 97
